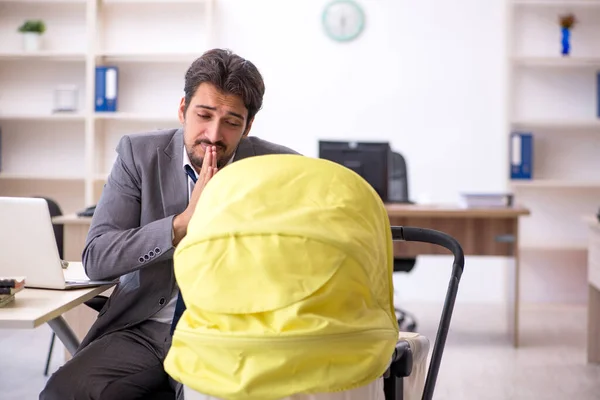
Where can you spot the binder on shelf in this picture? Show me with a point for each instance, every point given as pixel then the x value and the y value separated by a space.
pixel 598 94
pixel 521 155
pixel 107 84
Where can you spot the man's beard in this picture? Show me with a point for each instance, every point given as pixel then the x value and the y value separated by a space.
pixel 198 161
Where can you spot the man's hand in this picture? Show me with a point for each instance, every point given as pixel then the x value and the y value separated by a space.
pixel 209 169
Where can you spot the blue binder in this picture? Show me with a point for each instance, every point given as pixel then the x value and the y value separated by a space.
pixel 107 84
pixel 598 94
pixel 521 155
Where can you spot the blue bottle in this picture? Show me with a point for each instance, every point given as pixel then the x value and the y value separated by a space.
pixel 566 37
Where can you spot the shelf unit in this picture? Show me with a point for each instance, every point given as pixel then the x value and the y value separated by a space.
pixel 556 99
pixel 67 156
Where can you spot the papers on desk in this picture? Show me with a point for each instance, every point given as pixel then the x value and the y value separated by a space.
pixel 486 200
pixel 9 287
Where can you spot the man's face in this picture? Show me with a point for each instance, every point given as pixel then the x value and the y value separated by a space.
pixel 213 118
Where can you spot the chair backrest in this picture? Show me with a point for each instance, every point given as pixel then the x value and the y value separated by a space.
pixel 398 179
pixel 399 194
pixel 56 211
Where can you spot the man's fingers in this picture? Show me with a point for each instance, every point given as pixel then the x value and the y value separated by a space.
pixel 208 156
pixel 207 163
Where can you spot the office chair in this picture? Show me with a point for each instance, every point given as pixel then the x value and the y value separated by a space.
pixel 399 194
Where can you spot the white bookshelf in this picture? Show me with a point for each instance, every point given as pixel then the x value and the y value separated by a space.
pixel 67 156
pixel 556 184
pixel 564 126
pixel 55 2
pixel 55 56
pixel 556 99
pixel 556 3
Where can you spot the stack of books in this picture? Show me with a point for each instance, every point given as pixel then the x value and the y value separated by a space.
pixel 9 287
pixel 486 200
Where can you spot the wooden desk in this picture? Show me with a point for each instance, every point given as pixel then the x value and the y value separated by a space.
pixel 34 307
pixel 481 231
pixel 593 334
pixel 476 230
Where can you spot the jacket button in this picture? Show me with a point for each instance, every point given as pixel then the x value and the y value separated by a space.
pixel 161 301
pixel 151 254
pixel 157 250
pixel 141 259
pixel 146 257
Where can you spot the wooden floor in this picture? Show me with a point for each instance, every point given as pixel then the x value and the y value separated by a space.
pixel 478 364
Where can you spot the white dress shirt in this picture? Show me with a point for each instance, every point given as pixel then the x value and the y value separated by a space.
pixel 165 314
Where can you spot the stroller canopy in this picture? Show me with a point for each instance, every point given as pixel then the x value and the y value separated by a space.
pixel 286 272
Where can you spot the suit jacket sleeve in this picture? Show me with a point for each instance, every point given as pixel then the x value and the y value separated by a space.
pixel 116 243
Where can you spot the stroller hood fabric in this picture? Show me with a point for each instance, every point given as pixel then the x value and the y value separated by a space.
pixel 286 272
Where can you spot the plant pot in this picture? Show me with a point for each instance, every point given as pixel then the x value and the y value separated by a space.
pixel 31 41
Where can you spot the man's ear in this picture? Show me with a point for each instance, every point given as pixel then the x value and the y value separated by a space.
pixel 248 127
pixel 181 111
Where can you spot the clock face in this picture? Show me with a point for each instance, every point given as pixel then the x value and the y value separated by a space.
pixel 343 20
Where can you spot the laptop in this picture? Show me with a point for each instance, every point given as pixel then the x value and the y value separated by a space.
pixel 28 247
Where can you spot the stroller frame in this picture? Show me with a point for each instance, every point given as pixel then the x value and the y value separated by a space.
pixel 402 360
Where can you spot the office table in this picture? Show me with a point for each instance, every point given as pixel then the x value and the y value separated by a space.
pixel 480 231
pixel 34 307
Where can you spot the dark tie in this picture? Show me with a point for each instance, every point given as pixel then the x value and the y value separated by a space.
pixel 180 305
pixel 179 309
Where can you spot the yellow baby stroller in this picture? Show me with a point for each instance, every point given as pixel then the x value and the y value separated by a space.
pixel 286 273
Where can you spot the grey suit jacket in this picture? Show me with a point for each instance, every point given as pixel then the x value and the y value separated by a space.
pixel 130 233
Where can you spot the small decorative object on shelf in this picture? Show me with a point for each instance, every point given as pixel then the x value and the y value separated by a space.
pixel 32 31
pixel 566 24
pixel 65 98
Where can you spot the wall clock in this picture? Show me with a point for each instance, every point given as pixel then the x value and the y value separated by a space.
pixel 343 20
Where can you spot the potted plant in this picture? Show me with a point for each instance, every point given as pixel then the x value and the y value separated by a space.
pixel 32 30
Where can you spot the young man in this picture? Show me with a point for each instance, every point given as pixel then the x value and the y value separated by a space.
pixel 142 215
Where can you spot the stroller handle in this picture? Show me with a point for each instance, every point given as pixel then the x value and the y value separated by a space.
pixel 413 234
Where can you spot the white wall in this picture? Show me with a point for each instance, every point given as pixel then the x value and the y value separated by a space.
pixel 426 75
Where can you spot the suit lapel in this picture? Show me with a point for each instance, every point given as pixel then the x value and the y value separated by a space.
pixel 244 150
pixel 172 177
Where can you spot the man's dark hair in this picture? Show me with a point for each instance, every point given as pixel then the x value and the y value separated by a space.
pixel 231 74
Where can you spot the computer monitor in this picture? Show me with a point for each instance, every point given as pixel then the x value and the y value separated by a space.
pixel 371 160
